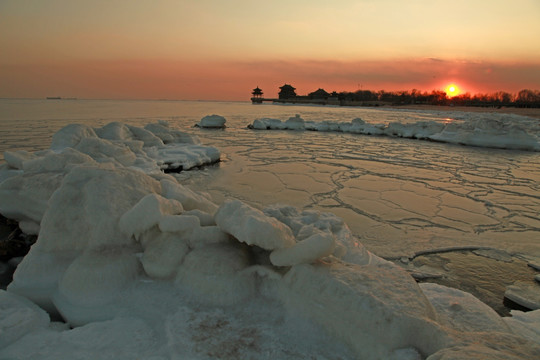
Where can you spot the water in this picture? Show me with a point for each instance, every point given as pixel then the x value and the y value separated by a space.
pixel 398 196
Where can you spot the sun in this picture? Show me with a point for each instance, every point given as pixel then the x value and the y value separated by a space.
pixel 452 90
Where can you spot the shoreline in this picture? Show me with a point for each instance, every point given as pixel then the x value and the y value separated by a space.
pixel 530 112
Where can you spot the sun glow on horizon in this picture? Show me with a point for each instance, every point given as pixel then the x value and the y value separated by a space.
pixel 452 90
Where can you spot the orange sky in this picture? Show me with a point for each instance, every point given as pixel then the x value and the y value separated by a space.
pixel 209 49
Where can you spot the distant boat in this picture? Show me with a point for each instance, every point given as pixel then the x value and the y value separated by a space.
pixel 54 98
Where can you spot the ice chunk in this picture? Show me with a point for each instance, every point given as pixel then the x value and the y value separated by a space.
pixel 147 213
pixel 357 304
pixel 168 135
pixel 212 121
pixel 103 150
pixel 97 276
pixel 205 219
pixel 15 159
pixel 190 200
pixel 295 123
pixel 123 132
pixel 179 223
pixel 86 209
pixel 25 197
pixel 184 156
pixel 220 280
pixel 306 223
pixel 202 236
pixel 18 316
pixel 70 136
pixel 37 276
pixel 83 214
pixel 252 226
pixel 163 255
pixel 461 310
pixel 122 338
pixel 488 345
pixel 61 162
pixel 525 294
pixel 525 324
pixel 90 286
pixel 305 251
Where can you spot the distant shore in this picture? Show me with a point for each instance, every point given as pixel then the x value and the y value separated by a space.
pixel 531 112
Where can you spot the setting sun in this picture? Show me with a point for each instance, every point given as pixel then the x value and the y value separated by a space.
pixel 452 90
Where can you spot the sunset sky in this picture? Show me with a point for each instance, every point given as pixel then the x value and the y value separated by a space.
pixel 221 50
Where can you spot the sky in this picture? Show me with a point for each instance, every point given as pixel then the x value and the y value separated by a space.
pixel 221 50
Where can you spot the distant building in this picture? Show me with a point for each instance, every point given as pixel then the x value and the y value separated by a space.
pixel 257 93
pixel 287 92
pixel 319 94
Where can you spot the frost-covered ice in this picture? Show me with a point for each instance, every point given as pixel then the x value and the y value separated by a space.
pixel 490 131
pixel 141 266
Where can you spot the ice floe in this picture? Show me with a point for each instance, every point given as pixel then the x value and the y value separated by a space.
pixel 142 266
pixel 491 130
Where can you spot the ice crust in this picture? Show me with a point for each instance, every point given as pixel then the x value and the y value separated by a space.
pixel 492 131
pixel 144 267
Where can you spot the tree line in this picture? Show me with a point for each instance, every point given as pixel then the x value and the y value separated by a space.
pixel 524 98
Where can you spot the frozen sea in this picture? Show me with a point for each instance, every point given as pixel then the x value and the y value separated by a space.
pixel 463 216
pixel 400 196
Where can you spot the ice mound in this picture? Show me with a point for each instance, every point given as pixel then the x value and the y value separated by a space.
pixel 134 260
pixel 212 122
pixel 156 146
pixel 30 179
pixel 483 130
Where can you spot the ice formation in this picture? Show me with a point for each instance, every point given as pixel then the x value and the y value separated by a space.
pixel 142 266
pixel 212 122
pixel 31 179
pixel 493 131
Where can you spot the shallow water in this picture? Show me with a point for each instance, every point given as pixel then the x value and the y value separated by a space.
pixel 399 196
